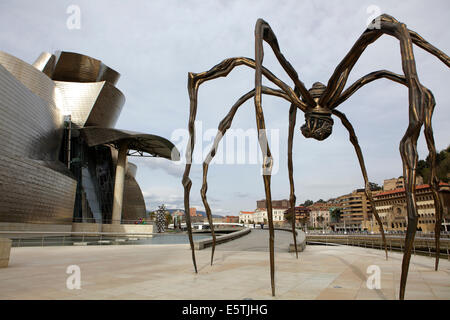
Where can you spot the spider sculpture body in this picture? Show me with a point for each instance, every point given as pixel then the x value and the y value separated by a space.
pixel 319 105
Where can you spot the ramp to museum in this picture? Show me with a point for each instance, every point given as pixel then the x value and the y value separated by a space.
pixel 258 240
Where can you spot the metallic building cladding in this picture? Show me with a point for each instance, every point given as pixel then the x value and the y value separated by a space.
pixel 35 186
pixel 78 99
pixel 77 67
pixel 131 169
pixel 107 108
pixel 45 63
pixel 30 77
pixel 32 193
pixel 87 89
pixel 152 144
pixel 29 126
pixel 133 200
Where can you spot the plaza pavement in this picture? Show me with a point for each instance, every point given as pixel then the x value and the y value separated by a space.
pixel 240 271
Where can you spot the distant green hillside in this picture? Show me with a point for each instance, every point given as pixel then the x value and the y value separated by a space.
pixel 443 167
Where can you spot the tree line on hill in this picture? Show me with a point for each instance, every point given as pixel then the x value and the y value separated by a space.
pixel 442 164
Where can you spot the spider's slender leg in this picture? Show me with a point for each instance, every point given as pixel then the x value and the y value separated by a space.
pixel 194 80
pixel 429 107
pixel 224 125
pixel 408 151
pixel 408 145
pixel 388 25
pixel 264 145
pixel 263 32
pixel 292 120
pixel 354 141
pixel 434 180
pixel 366 80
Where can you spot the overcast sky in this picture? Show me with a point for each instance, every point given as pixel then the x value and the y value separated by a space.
pixel 154 44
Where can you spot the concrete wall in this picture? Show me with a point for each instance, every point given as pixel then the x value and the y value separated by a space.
pixel 129 228
pixel 86 227
pixel 5 249
pixel 12 226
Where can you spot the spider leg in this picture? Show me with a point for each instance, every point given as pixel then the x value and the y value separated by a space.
pixel 434 180
pixel 429 105
pixel 264 145
pixel 292 120
pixel 408 144
pixel 263 32
pixel 365 80
pixel 354 141
pixel 224 125
pixel 194 80
pixel 388 25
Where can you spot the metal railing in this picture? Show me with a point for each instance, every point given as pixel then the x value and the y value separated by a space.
pixel 110 221
pixel 69 238
pixel 421 245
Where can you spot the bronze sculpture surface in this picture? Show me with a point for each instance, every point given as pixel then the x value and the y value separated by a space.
pixel 319 103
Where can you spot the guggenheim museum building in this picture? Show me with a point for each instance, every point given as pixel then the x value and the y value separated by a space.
pixel 62 161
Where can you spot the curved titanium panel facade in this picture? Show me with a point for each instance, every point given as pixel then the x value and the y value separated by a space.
pixel 131 169
pixel 30 77
pixel 93 103
pixel 29 125
pixel 45 63
pixel 133 200
pixel 152 144
pixel 77 67
pixel 32 193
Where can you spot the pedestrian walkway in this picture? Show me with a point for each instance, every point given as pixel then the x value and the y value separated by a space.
pixel 258 240
pixel 166 272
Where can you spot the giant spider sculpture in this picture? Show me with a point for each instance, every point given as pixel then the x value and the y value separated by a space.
pixel 318 104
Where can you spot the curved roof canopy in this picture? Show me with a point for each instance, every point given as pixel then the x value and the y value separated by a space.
pixel 154 145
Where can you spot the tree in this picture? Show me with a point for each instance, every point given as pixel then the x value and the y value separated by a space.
pixel 335 214
pixel 442 164
pixel 320 201
pixel 320 220
pixel 374 186
pixel 307 203
pixel 304 220
pixel 288 215
pixel 169 218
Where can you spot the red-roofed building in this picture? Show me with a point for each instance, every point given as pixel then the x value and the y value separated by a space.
pixel 247 217
pixel 302 214
pixel 231 219
pixel 391 207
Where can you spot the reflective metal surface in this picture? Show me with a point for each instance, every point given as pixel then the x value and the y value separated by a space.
pixel 77 67
pixel 36 185
pixel 29 125
pixel 91 104
pixel 133 200
pixel 36 81
pixel 154 145
pixel 45 63
pixel 32 193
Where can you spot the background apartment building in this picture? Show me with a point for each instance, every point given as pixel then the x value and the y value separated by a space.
pixel 356 210
pixel 391 206
pixel 319 215
pixel 260 215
